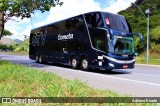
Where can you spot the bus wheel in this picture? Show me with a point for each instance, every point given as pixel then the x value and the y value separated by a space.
pixel 74 63
pixel 40 59
pixel 84 64
pixel 37 59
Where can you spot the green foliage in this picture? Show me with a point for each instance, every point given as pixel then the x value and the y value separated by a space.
pixel 151 61
pixel 6 32
pixel 17 47
pixel 24 8
pixel 139 24
pixel 4 47
pixel 20 81
pixel 22 47
pixel 155 34
pixel 155 39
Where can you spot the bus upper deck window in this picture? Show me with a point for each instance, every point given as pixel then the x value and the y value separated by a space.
pixel 94 20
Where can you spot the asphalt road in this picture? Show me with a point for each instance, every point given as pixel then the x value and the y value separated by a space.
pixel 142 81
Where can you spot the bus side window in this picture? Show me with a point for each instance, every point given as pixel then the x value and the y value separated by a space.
pixel 99 39
pixel 88 18
pixel 99 21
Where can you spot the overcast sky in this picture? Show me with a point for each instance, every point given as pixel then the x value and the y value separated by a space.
pixel 68 9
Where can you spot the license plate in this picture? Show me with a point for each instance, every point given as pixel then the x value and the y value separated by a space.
pixel 125 66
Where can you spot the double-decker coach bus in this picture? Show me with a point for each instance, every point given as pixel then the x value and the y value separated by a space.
pixel 92 40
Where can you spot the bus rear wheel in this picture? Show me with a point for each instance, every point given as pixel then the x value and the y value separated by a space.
pixel 40 59
pixel 74 63
pixel 84 64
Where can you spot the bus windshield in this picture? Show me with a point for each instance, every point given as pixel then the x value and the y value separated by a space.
pixel 116 22
pixel 121 45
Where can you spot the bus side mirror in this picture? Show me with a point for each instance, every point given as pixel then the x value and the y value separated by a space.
pixel 140 36
pixel 136 54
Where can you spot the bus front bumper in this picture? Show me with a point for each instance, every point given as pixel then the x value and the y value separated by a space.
pixel 112 63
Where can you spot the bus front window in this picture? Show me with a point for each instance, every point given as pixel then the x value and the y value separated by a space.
pixel 116 22
pixel 121 45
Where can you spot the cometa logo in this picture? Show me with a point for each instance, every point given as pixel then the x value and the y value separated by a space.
pixel 65 37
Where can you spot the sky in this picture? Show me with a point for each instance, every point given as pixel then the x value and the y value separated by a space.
pixel 70 8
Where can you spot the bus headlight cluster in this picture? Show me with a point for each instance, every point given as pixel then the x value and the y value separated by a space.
pixel 110 64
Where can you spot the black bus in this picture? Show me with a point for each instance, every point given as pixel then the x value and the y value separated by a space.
pixel 92 40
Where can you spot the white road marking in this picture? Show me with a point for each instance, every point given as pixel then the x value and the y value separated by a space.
pixel 124 79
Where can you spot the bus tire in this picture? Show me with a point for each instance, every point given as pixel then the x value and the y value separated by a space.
pixel 84 64
pixel 37 59
pixel 40 59
pixel 74 63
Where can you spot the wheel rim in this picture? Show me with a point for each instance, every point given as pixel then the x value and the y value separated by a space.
pixel 84 64
pixel 40 59
pixel 74 63
pixel 36 58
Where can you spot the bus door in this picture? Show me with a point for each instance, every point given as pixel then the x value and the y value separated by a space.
pixel 64 52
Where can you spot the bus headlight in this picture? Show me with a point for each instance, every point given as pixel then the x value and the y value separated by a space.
pixel 110 64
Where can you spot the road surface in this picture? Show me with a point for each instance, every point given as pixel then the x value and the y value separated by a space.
pixel 142 81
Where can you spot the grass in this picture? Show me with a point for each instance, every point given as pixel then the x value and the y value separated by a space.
pixel 150 61
pixel 16 53
pixel 17 81
pixel 21 81
pixel 154 59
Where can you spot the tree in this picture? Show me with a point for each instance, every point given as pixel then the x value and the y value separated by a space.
pixel 6 32
pixel 23 9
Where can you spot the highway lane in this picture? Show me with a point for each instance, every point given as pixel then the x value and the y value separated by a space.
pixel 142 81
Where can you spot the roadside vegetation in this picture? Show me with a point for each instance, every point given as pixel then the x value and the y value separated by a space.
pixel 154 59
pixel 22 46
pixel 16 47
pixel 140 60
pixel 21 81
pixel 138 23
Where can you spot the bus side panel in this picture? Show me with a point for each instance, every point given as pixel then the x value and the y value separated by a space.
pixel 52 44
pixel 78 43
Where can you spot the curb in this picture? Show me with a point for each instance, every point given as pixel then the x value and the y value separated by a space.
pixel 148 65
